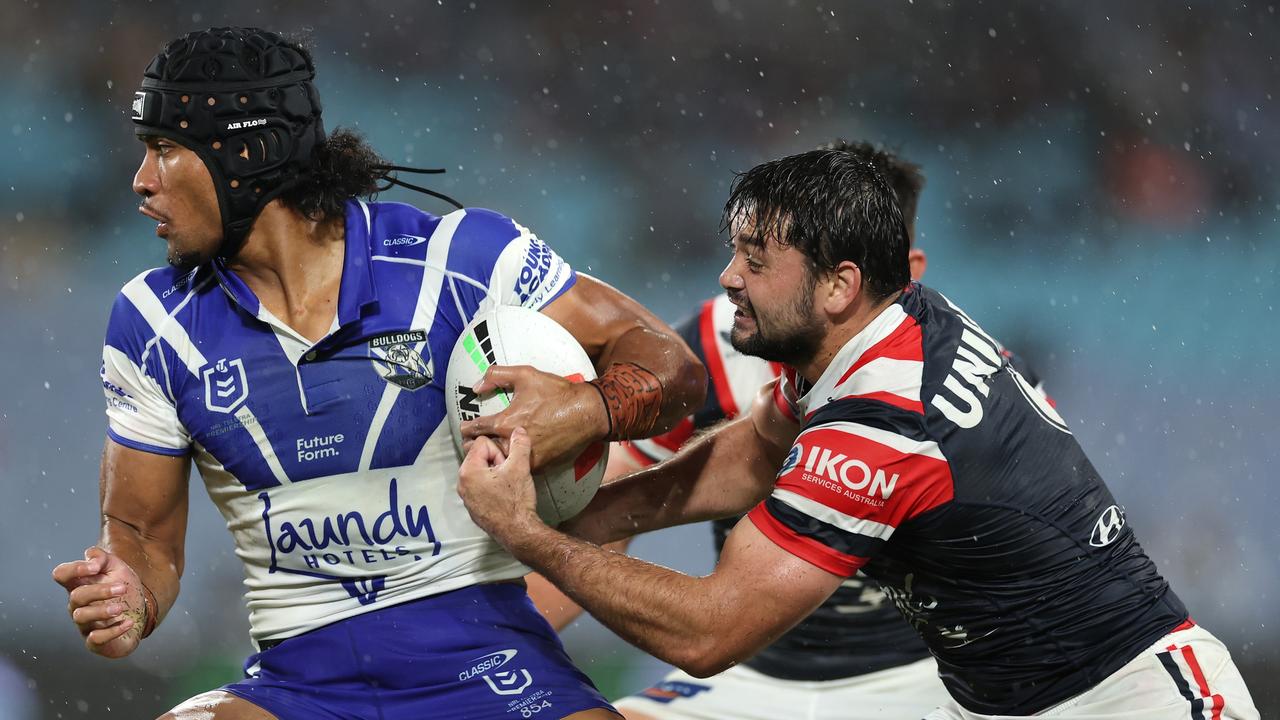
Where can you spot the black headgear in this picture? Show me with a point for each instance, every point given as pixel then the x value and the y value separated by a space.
pixel 243 100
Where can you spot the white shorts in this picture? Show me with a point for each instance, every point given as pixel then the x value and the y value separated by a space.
pixel 906 691
pixel 1187 674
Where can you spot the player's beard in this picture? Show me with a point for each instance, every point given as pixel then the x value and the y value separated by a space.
pixel 790 334
pixel 187 258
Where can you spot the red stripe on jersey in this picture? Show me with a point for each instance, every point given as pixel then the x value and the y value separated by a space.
pixel 715 363
pixel 640 456
pixel 660 693
pixel 805 548
pixel 864 479
pixel 671 441
pixel 677 436
pixel 786 377
pixel 784 405
pixel 897 401
pixel 904 343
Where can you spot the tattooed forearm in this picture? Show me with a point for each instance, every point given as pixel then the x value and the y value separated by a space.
pixel 633 399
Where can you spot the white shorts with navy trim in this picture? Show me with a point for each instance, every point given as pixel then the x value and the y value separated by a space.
pixel 907 691
pixel 1187 675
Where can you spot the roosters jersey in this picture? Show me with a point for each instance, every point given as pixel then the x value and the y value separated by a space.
pixel 332 462
pixel 927 461
pixel 733 379
pixel 857 630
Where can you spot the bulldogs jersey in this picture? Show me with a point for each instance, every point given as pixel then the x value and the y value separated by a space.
pixel 857 630
pixel 331 462
pixel 931 464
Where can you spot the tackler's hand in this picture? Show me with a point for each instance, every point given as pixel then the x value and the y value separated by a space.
pixel 497 488
pixel 561 416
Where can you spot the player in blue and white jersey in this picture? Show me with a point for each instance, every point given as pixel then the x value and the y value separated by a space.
pixel 901 443
pixel 294 351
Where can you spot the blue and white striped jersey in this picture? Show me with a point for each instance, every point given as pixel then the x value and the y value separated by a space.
pixel 332 463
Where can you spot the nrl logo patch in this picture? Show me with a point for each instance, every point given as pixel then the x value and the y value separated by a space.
pixel 226 387
pixel 396 358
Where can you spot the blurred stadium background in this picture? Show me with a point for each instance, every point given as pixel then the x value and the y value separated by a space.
pixel 1101 195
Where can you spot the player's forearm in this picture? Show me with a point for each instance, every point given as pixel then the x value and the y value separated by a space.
pixel 721 474
pixel 156 562
pixel 654 382
pixel 676 618
pixel 558 609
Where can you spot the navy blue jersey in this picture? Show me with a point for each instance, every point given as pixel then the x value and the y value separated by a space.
pixel 331 461
pixel 857 630
pixel 930 463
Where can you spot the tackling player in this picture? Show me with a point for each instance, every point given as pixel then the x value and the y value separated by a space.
pixel 294 351
pixel 854 657
pixel 899 442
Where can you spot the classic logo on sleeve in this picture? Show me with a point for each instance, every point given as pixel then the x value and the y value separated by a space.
pixel 403 240
pixel 398 358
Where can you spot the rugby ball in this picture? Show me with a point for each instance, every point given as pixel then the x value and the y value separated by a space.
pixel 511 335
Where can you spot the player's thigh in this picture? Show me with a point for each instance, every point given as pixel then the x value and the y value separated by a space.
pixel 217 705
pixel 593 714
pixel 630 714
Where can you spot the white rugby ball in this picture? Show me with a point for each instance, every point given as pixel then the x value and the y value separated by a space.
pixel 511 335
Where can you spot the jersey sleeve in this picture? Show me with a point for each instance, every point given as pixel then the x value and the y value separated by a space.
pixel 650 451
pixel 505 263
pixel 844 489
pixel 140 411
pixel 786 395
pixel 1029 374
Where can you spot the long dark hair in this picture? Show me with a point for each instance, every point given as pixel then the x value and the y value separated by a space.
pixel 906 178
pixel 342 167
pixel 345 166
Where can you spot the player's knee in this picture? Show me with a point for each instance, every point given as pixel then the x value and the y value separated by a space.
pixel 217 705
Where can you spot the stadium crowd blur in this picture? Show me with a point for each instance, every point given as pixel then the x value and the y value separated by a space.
pixel 1101 196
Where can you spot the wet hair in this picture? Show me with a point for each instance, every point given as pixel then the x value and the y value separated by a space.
pixel 344 166
pixel 906 178
pixel 832 205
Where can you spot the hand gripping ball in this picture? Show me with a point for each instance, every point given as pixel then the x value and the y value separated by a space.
pixel 510 335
